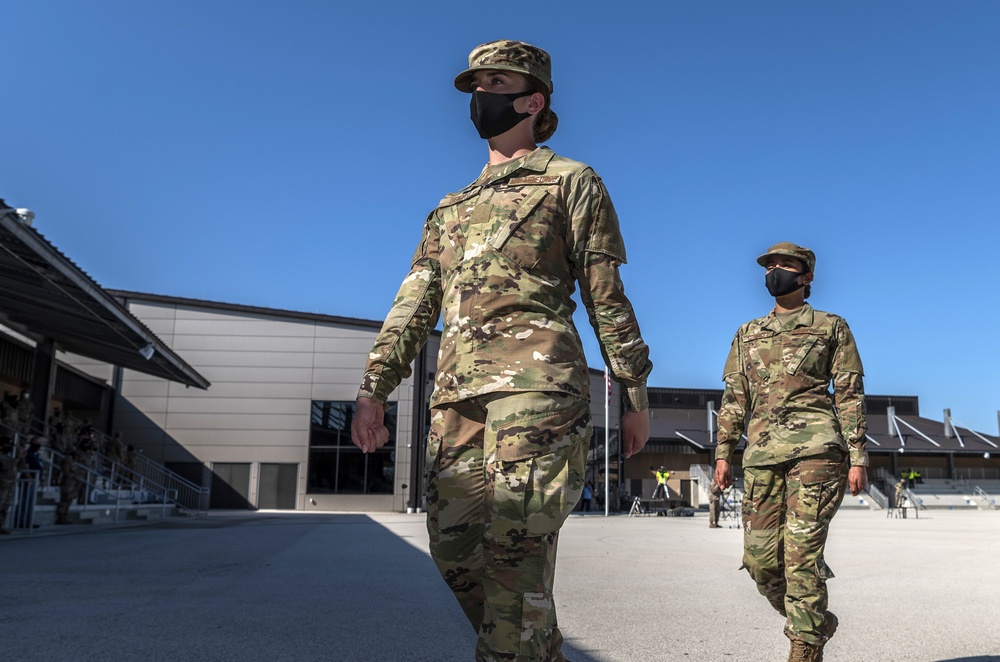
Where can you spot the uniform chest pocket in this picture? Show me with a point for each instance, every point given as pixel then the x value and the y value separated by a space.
pixel 806 352
pixel 526 220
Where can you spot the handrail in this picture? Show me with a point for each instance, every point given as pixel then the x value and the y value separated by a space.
pixel 21 515
pixel 882 474
pixel 916 502
pixel 980 493
pixel 144 474
pixel 191 498
pixel 880 499
pixel 698 473
pixel 150 475
pixel 111 478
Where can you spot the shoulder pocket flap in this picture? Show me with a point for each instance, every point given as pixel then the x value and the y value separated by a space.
pixel 455 198
pixel 807 331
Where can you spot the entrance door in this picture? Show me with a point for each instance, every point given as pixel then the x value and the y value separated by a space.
pixel 276 486
pixel 230 485
pixel 689 489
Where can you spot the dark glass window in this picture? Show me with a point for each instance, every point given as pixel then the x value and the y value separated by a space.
pixel 336 465
pixel 595 461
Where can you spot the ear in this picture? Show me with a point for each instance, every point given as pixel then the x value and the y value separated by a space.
pixel 536 103
pixel 807 278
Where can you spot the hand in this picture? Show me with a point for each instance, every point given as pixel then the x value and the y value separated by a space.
pixel 368 432
pixel 857 479
pixel 723 475
pixel 635 431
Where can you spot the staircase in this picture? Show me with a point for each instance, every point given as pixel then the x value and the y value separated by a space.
pixel 110 492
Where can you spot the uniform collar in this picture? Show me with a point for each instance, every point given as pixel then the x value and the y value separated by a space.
pixel 537 160
pixel 802 317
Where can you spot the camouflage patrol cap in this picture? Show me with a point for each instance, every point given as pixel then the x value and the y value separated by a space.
pixel 507 55
pixel 789 249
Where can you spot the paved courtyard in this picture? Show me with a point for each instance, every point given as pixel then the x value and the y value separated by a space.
pixel 357 587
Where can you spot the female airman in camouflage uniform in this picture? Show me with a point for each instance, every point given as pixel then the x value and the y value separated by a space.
pixel 800 442
pixel 510 417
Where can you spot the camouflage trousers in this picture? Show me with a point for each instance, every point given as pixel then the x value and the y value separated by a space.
pixel 67 492
pixel 6 498
pixel 504 472
pixel 787 509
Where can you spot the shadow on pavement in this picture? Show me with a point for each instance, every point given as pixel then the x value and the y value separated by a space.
pixel 233 587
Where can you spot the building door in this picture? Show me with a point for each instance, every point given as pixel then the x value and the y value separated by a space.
pixel 276 486
pixel 230 485
pixel 688 492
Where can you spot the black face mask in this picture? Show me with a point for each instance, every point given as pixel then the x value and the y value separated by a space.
pixel 494 113
pixel 780 282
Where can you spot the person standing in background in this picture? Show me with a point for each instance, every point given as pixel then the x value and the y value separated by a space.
pixel 804 446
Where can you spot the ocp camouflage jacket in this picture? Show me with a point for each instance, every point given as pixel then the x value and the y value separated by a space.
pixel 501 258
pixel 777 389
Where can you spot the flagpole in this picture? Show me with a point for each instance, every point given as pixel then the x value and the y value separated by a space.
pixel 607 438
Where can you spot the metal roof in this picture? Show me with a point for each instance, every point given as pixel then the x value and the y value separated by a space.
pixel 43 294
pixel 673 422
pixel 129 297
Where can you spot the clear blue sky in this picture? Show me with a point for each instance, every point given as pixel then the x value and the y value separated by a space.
pixel 285 154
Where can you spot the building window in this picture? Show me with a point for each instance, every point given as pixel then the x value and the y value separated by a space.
pixel 336 465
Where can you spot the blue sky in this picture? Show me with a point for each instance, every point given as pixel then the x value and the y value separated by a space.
pixel 285 154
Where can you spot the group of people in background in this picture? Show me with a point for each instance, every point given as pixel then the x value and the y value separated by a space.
pixel 72 447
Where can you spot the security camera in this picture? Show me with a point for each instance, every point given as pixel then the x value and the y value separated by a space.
pixel 26 216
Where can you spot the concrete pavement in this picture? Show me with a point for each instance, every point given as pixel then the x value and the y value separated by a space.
pixel 361 587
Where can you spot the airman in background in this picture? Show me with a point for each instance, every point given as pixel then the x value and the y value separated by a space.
pixel 69 486
pixel 714 499
pixel 25 413
pixel 115 448
pixel 8 413
pixel 803 447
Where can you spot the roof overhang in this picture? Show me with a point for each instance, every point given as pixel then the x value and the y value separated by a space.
pixel 44 295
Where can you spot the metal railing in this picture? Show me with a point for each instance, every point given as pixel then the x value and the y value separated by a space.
pixel 145 481
pixel 885 476
pixel 980 493
pixel 878 498
pixel 146 474
pixel 700 473
pixel 915 502
pixel 983 473
pixel 21 514
pixel 105 483
pixel 733 501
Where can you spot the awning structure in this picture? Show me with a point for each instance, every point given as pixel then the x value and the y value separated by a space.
pixel 43 294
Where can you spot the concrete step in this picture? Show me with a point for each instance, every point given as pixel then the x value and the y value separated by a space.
pixel 95 516
pixel 147 513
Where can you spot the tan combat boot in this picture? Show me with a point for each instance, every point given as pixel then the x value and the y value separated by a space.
pixel 803 652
